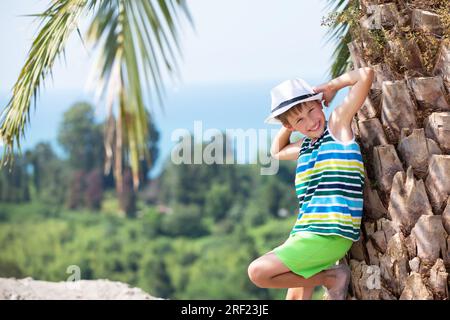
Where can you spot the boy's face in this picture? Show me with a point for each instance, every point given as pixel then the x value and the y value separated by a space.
pixel 310 120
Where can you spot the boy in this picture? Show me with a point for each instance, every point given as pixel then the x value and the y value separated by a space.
pixel 329 182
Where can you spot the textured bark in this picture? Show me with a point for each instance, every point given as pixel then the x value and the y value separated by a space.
pixel 415 150
pixel 373 207
pixel 382 72
pixel 429 93
pixel 404 125
pixel 386 165
pixel 446 217
pixel 415 289
pixel 408 201
pixel 438 280
pixel 438 182
pixel 426 21
pixel 357 250
pixel 406 53
pixel 371 133
pixel 366 283
pixel 384 15
pixel 394 264
pixel 355 49
pixel 398 109
pixel 442 67
pixel 437 127
pixel 430 238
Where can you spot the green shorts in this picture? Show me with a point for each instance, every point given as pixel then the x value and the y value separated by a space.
pixel 306 253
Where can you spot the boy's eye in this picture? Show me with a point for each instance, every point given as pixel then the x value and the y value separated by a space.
pixel 310 110
pixel 300 119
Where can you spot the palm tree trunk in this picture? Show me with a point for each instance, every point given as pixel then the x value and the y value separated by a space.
pixel 404 133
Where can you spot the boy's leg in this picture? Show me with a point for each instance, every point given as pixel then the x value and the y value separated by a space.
pixel 269 272
pixel 300 293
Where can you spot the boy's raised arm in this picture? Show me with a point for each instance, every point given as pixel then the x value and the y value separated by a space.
pixel 281 149
pixel 360 80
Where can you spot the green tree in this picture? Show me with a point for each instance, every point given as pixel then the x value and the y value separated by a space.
pixel 14 182
pixel 81 138
pixel 48 174
pixel 218 201
pixel 184 220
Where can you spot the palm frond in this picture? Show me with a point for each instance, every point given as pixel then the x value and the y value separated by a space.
pixel 58 20
pixel 137 44
pixel 339 32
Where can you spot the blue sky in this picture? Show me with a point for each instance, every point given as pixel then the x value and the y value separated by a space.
pixel 235 42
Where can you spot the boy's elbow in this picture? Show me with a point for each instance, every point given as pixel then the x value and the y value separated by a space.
pixel 369 72
pixel 274 155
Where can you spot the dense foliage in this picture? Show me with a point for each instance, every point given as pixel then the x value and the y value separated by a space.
pixel 190 233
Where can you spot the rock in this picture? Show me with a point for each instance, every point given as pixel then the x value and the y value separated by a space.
pixel 415 289
pixel 29 289
pixel 415 149
pixel 408 201
pixel 397 108
pixel 386 164
pixel 438 181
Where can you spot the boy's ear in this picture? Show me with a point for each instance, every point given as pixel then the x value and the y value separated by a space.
pixel 288 126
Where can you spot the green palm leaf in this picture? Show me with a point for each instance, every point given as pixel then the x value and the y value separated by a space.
pixel 136 42
pixel 339 32
pixel 59 20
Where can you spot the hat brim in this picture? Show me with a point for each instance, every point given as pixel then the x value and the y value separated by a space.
pixel 271 118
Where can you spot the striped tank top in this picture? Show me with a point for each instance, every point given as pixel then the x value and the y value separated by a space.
pixel 329 183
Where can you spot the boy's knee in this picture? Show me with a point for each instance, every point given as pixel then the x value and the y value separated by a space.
pixel 256 273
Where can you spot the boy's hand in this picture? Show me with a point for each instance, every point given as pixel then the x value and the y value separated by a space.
pixel 328 92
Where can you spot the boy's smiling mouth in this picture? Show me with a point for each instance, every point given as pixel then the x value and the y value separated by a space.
pixel 316 127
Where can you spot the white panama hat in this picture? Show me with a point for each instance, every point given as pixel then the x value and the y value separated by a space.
pixel 288 94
